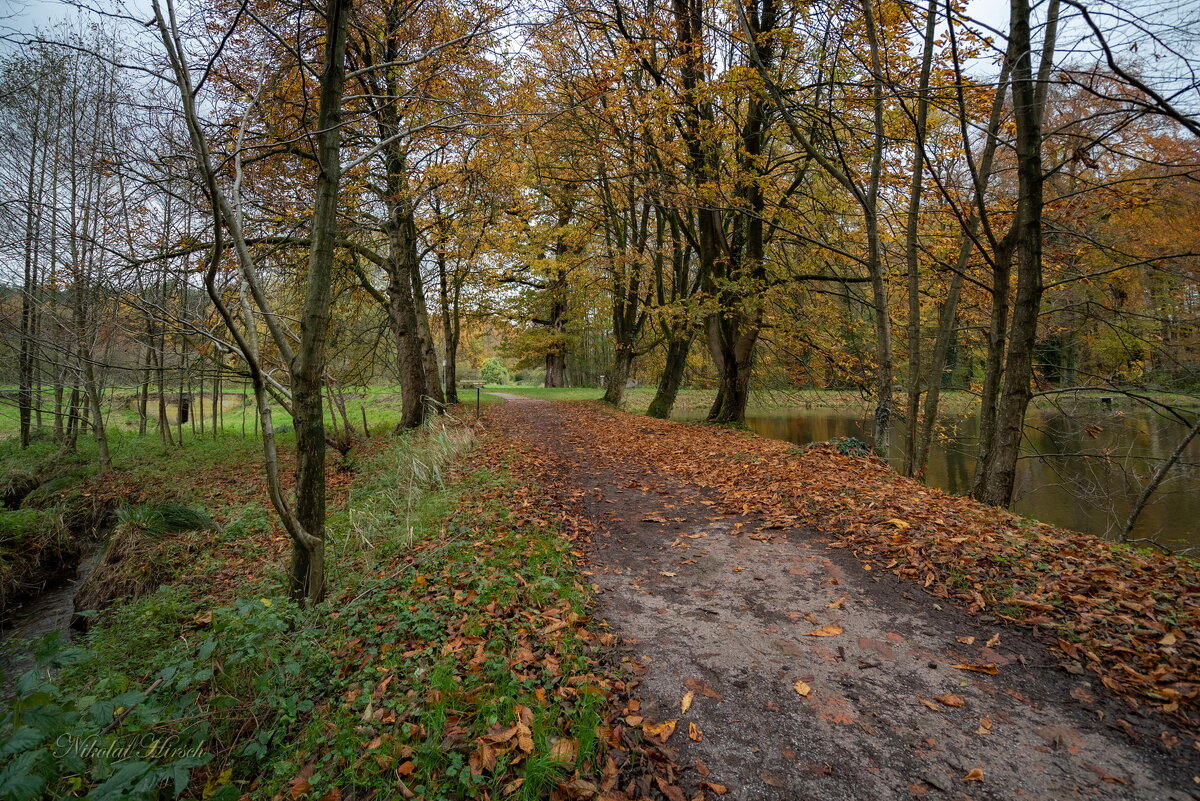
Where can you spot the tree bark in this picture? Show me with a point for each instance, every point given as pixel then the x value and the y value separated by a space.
pixel 912 254
pixel 999 472
pixel 672 376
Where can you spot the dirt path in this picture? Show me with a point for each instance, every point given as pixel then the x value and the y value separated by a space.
pixel 698 605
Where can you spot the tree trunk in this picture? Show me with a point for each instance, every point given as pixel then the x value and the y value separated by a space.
pixel 912 255
pixel 402 250
pixel 308 555
pixel 671 379
pixel 1001 468
pixel 449 332
pixel 433 380
pixel 620 371
pixel 941 348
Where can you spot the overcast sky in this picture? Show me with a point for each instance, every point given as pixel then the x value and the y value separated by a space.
pixel 26 15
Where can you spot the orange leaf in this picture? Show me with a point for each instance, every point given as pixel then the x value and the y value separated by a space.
pixel 976 775
pixel 825 631
pixel 989 668
pixel 662 731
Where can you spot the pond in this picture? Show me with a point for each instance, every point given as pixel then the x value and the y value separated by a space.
pixel 1080 469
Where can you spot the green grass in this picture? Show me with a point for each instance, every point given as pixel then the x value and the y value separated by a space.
pixel 434 585
pixel 549 393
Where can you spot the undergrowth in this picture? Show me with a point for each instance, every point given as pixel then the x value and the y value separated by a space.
pixel 451 660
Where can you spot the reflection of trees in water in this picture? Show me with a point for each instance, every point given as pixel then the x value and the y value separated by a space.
pixel 1079 470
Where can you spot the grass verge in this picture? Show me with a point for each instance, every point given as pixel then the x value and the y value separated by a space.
pixel 455 658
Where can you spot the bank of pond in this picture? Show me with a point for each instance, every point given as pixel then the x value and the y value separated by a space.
pixel 1082 467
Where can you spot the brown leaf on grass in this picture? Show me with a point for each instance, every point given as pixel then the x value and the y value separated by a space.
pixel 830 630
pixel 563 750
pixel 694 732
pixel 801 688
pixel 685 703
pixel 989 668
pixel 976 775
pixel 950 699
pixel 524 738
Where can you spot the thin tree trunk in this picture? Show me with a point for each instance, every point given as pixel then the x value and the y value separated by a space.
pixel 912 254
pixel 1028 95
pixel 308 369
pixel 1156 480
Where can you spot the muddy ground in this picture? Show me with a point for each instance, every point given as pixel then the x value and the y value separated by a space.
pixel 702 605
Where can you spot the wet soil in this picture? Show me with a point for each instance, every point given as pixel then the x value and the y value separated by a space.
pixel 700 603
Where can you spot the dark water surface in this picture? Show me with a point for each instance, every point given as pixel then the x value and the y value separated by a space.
pixel 1081 470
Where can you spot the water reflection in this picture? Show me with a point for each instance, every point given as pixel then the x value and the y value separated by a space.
pixel 1081 470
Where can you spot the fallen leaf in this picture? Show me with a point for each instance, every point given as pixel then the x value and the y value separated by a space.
pixel 989 669
pixel 994 640
pixel 666 573
pixel 900 524
pixel 801 688
pixel 950 699
pixel 830 630
pixel 773 779
pixel 930 704
pixel 721 789
pixel 563 750
pixel 662 731
pixel 694 732
pixel 1168 639
pixel 985 726
pixel 838 604
pixel 669 790
pixel 976 775
pixel 686 702
pixel 701 688
pixel 966 640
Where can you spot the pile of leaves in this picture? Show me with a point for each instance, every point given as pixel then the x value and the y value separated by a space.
pixel 471 666
pixel 1130 617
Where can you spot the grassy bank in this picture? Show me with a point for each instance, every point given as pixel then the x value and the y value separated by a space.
pixel 693 404
pixel 454 657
